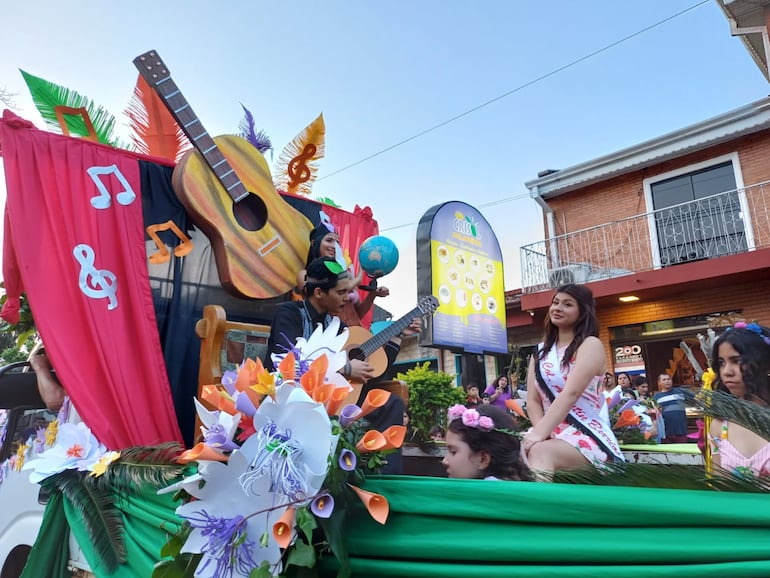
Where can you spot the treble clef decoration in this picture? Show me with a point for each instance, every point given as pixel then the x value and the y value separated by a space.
pixel 95 283
pixel 298 170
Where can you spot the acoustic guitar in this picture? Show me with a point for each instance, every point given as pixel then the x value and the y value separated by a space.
pixel 224 183
pixel 361 344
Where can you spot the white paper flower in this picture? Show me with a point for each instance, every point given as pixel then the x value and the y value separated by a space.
pixel 320 342
pixel 75 448
pixel 292 443
pixel 218 427
pixel 233 538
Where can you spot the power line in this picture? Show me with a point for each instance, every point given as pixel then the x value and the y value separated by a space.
pixel 517 89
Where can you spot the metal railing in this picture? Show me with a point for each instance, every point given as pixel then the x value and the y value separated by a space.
pixel 723 224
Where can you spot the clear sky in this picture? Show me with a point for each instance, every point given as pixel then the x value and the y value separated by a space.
pixel 382 72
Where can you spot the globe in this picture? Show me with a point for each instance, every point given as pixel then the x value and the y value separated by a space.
pixel 378 256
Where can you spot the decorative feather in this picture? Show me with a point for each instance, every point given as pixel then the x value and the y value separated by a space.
pixel 144 465
pixel 671 476
pixel 155 132
pixel 47 96
pixel 328 201
pixel 102 520
pixel 296 169
pixel 723 405
pixel 259 140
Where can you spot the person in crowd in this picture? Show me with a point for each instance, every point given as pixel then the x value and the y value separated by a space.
pixel 641 388
pixel 437 434
pixel 498 391
pixel 485 399
pixel 741 357
pixel 671 401
pixel 473 396
pixel 624 381
pixel 608 383
pixel 564 401
pixel 481 443
pixel 326 293
pixel 324 242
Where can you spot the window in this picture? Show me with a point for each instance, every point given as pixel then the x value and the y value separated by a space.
pixel 698 215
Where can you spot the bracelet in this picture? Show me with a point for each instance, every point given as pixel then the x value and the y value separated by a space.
pixel 346 370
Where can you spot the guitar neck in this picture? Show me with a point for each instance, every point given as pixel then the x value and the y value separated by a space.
pixel 191 125
pixel 377 341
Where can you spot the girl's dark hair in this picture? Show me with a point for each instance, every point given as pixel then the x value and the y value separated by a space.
pixel 755 360
pixel 585 325
pixel 503 448
pixel 639 380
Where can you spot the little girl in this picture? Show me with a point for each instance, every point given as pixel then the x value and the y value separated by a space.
pixel 481 443
pixel 741 358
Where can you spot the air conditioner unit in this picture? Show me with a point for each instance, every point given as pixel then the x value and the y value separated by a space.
pixel 575 273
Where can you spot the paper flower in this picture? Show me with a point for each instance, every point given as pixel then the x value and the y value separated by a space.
pixel 321 342
pixel 218 427
pixel 75 448
pixel 228 522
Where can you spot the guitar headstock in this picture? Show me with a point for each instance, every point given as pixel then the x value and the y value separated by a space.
pixel 151 67
pixel 428 305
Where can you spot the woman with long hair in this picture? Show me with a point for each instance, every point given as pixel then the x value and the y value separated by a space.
pixel 570 426
pixel 499 391
pixel 741 358
pixel 325 242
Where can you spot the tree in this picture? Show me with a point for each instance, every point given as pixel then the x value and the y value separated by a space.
pixel 6 97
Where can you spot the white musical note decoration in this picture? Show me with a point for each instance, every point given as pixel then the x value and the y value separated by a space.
pixel 93 282
pixel 104 200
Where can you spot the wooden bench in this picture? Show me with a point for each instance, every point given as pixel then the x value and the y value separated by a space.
pixel 225 344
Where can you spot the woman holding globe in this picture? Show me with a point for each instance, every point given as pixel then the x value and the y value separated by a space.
pixel 325 242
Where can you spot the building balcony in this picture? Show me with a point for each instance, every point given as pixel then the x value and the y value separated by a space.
pixel 728 223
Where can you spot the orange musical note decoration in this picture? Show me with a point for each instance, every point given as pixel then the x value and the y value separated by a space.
pixel 62 111
pixel 298 170
pixel 162 255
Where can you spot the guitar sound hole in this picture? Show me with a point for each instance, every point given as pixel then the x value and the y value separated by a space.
pixel 250 212
pixel 356 353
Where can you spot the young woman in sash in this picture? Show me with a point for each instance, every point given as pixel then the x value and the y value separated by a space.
pixel 741 357
pixel 570 424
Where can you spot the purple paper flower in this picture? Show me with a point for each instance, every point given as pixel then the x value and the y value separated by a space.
pixel 218 436
pixel 471 418
pixel 227 543
pixel 347 460
pixel 348 414
pixel 322 506
pixel 228 381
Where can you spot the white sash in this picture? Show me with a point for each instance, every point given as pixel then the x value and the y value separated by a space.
pixel 584 416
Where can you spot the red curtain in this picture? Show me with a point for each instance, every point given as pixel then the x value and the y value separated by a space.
pixel 74 241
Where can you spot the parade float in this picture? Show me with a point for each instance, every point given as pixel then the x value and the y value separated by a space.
pixel 119 251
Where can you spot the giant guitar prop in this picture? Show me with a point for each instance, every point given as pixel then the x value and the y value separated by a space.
pixel 361 344
pixel 259 240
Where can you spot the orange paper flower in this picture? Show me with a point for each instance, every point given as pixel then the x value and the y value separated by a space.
pixel 323 393
pixel 283 528
pixel 287 366
pixel 201 451
pixel 627 418
pixel 376 504
pixel 373 441
pixel 334 403
pixel 394 436
pixel 375 399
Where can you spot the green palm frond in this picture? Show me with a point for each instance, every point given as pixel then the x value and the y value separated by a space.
pixel 735 410
pixel 670 476
pixel 144 465
pixel 102 520
pixel 47 96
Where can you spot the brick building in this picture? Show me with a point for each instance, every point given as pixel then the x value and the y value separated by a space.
pixel 672 235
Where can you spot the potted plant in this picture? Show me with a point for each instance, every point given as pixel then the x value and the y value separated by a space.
pixel 431 393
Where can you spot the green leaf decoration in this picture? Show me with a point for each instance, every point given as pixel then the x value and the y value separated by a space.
pixel 328 201
pixel 144 465
pixel 102 520
pixel 262 572
pixel 47 96
pixel 301 554
pixel 183 566
pixel 725 406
